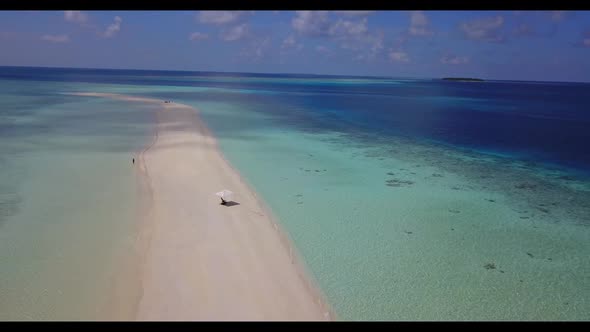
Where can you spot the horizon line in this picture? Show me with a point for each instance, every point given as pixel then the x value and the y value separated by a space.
pixel 302 74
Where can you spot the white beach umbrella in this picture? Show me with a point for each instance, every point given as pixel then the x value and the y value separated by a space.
pixel 225 194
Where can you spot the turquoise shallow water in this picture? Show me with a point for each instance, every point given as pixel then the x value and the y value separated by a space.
pixel 67 200
pixel 417 249
pixel 391 228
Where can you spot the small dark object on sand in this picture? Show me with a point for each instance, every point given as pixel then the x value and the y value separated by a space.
pixel 525 185
pixel 490 266
pixel 398 183
pixel 133 161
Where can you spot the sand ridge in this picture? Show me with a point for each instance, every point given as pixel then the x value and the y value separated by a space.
pixel 206 261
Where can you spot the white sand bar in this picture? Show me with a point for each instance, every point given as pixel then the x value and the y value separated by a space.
pixel 203 260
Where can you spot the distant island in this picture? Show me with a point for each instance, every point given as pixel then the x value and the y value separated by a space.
pixel 463 79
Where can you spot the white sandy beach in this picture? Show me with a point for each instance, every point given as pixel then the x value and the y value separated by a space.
pixel 203 260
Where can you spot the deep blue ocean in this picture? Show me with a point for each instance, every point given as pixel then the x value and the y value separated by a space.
pixel 537 122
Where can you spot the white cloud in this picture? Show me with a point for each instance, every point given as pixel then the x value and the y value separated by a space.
pixel 257 49
pixel 371 44
pixel 219 17
pixel 233 24
pixel 75 16
pixel 354 12
pixel 311 22
pixel 113 28
pixel 260 47
pixel 486 29
pixel 418 18
pixel 56 38
pixel 317 23
pixel 523 30
pixel 454 60
pixel 236 33
pixel 367 47
pixel 349 32
pixel 348 29
pixel 376 44
pixel 291 43
pixel 419 24
pixel 558 15
pixel 195 36
pixel 399 56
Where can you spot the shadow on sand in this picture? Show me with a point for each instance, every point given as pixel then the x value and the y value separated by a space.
pixel 230 204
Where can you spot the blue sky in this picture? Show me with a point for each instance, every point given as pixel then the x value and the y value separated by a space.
pixel 518 45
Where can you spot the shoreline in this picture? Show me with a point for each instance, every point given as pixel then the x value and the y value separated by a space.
pixel 296 259
pixel 154 281
pixel 126 290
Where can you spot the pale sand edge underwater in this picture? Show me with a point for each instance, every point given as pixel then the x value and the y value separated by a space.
pixel 201 260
